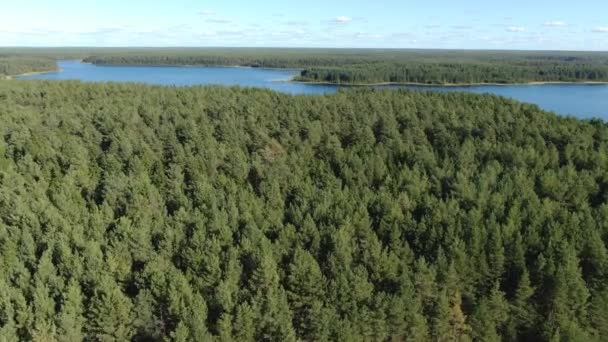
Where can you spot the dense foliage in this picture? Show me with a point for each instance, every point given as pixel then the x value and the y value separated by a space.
pixel 11 66
pixel 523 71
pixel 56 53
pixel 263 58
pixel 132 212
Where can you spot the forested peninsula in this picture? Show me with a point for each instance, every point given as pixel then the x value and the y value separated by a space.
pixel 148 213
pixel 13 66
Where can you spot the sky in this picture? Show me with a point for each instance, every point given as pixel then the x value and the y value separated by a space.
pixel 443 24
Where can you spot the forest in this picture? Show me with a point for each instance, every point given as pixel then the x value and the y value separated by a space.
pixel 457 73
pixel 11 66
pixel 360 66
pixel 149 213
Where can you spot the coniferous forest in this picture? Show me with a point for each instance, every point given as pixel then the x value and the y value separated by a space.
pixel 10 66
pixel 145 213
pixel 420 72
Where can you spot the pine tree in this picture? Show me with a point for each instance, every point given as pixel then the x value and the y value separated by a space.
pixel 109 316
pixel 70 321
pixel 522 313
pixel 305 289
pixel 490 316
pixel 598 315
pixel 569 300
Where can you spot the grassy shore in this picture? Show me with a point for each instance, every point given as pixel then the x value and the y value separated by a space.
pixel 10 77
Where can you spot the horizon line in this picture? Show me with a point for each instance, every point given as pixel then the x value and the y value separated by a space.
pixel 282 47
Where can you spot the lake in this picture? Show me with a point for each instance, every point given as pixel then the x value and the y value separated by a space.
pixel 580 100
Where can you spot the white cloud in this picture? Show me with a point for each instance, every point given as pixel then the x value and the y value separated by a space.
pixel 365 35
pixel 208 34
pixel 206 13
pixel 41 32
pixel 343 20
pixel 105 30
pixel 179 28
pixel 296 23
pixel 601 29
pixel 218 21
pixel 232 33
pixel 556 23
pixel 401 35
pixel 515 29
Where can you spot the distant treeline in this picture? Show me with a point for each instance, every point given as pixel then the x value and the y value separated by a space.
pixel 384 66
pixel 143 213
pixel 262 58
pixel 11 66
pixel 360 66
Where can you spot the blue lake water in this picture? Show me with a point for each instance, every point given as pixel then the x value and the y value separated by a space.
pixel 580 100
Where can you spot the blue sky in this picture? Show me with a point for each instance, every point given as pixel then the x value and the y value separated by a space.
pixel 466 24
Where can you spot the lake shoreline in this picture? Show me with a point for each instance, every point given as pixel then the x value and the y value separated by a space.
pixel 447 84
pixel 293 80
pixel 582 99
pixel 31 73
